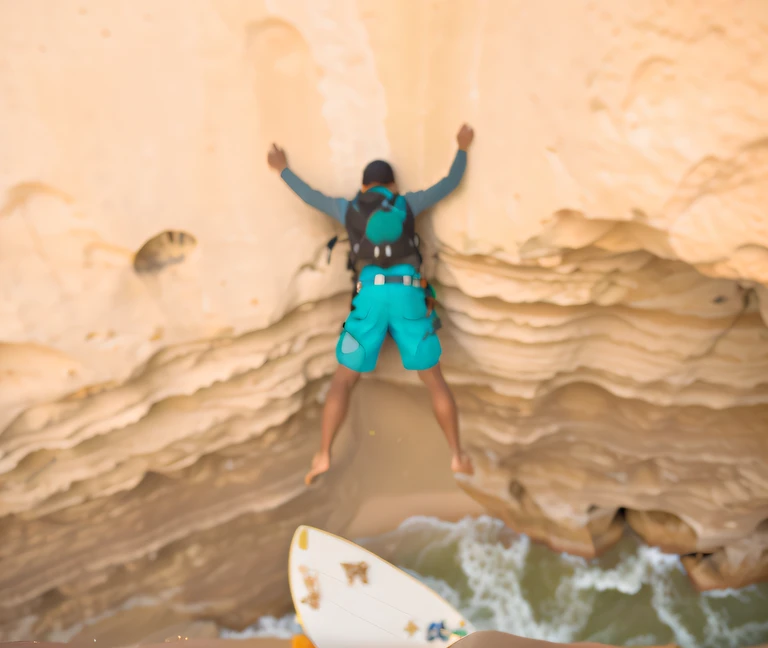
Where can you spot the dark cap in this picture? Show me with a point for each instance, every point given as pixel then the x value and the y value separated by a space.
pixel 378 172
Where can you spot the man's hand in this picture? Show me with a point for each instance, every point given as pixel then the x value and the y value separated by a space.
pixel 465 137
pixel 276 158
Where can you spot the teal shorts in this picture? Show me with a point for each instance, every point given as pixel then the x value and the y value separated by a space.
pixel 396 309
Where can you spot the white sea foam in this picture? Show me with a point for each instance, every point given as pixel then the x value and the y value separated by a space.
pixel 634 596
pixel 268 626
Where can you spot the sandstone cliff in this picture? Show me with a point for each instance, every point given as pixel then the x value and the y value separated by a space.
pixel 168 319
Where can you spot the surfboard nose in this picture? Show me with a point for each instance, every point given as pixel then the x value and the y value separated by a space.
pixel 301 537
pixel 345 596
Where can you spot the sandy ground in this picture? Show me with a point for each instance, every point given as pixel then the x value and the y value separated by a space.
pixel 404 459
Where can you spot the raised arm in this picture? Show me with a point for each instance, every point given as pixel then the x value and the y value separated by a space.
pixel 334 207
pixel 420 201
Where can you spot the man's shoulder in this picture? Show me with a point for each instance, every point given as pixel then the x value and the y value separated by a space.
pixel 408 200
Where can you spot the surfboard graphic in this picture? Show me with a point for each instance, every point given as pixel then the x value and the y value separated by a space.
pixel 346 596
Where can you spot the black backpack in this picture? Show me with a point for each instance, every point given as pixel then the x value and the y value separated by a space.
pixel 388 251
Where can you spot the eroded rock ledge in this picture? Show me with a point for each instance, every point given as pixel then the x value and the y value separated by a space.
pixel 677 452
pixel 174 489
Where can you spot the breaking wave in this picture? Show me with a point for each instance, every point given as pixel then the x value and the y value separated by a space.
pixel 634 595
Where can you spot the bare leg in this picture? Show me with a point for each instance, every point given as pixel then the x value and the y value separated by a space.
pixel 444 406
pixel 334 413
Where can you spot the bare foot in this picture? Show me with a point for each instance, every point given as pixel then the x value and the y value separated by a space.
pixel 462 464
pixel 320 464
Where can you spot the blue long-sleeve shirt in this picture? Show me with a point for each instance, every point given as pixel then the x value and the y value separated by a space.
pixel 418 201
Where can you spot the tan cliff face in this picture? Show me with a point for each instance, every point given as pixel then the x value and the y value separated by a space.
pixel 168 318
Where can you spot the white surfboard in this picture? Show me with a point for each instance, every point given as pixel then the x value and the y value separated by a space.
pixel 346 596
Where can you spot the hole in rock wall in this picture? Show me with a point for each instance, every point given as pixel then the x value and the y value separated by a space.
pixel 516 489
pixel 599 512
pixel 167 248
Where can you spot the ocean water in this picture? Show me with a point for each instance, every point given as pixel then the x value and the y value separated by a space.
pixel 634 595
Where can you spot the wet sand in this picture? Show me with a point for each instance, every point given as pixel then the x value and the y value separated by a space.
pixel 405 459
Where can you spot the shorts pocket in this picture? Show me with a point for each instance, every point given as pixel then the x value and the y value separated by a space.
pixel 413 306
